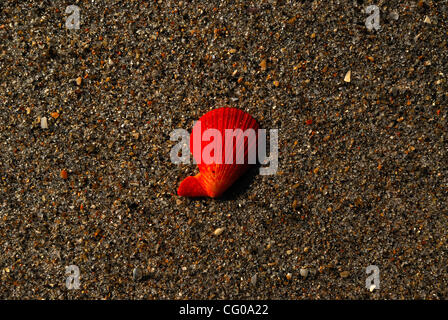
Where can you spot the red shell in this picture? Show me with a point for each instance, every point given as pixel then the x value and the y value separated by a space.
pixel 216 176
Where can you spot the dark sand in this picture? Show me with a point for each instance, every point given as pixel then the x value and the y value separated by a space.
pixel 363 177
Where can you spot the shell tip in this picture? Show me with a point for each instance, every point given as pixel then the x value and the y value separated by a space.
pixel 190 187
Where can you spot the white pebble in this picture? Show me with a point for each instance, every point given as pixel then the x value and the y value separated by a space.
pixel 44 123
pixel 218 231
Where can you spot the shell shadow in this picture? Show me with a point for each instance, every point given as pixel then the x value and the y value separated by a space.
pixel 242 185
pixel 238 188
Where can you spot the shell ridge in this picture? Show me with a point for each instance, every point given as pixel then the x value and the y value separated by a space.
pixel 228 169
pixel 227 115
pixel 243 121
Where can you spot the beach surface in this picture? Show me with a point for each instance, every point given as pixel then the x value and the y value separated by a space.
pixel 86 178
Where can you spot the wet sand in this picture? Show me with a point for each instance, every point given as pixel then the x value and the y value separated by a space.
pixel 362 179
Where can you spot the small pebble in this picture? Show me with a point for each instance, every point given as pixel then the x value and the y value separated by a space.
pixel 64 174
pixel 289 276
pixel 348 76
pixel 78 81
pixel 44 123
pixel 253 280
pixel 394 15
pixel 136 274
pixel 427 20
pixel 304 272
pixel 344 274
pixel 218 231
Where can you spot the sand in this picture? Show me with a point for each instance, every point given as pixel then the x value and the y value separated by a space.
pixel 362 178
